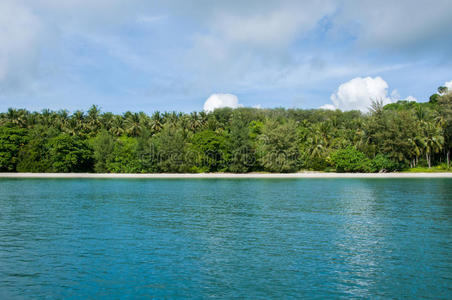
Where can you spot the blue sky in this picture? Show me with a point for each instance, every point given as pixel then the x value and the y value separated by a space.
pixel 173 55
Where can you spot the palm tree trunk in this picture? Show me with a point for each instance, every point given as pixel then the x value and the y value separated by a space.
pixel 428 159
pixel 448 158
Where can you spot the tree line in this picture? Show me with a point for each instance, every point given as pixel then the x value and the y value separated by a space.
pixel 394 137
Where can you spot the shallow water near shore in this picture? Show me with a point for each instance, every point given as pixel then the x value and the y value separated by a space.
pixel 224 238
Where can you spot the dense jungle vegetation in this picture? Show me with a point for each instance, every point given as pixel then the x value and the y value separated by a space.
pixel 394 137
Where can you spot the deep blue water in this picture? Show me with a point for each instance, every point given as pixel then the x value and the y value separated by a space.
pixel 225 238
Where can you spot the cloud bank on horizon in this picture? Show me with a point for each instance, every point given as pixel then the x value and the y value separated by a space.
pixel 221 100
pixel 448 85
pixel 359 93
pixel 171 55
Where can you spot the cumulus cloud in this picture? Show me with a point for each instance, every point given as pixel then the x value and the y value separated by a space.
pixel 328 107
pixel 448 85
pixel 411 98
pixel 358 93
pixel 221 100
pixel 261 47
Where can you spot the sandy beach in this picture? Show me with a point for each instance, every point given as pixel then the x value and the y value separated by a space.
pixel 229 175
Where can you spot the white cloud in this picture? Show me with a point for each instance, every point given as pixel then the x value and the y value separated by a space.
pixel 261 47
pixel 250 41
pixel 328 107
pixel 411 98
pixel 221 100
pixel 448 85
pixel 274 25
pixel 377 24
pixel 358 93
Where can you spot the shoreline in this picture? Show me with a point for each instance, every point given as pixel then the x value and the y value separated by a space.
pixel 227 175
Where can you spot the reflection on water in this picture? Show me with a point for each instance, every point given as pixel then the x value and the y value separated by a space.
pixel 359 235
pixel 251 238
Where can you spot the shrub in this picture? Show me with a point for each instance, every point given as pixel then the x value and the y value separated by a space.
pixel 382 163
pixel 350 160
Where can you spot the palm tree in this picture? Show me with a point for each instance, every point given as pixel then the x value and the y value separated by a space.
pixel 156 122
pixel 317 144
pixel 117 126
pixel 61 119
pixel 195 121
pixel 132 124
pixel 417 144
pixel 420 112
pixel 106 120
pixel 433 140
pixel 170 117
pixel 17 117
pixel 72 127
pixel 145 121
pixel 92 119
pixel 78 121
pixel 32 119
pixel 376 108
pixel 46 117
pixel 203 117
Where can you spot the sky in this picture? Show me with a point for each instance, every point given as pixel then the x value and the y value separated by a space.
pixel 193 55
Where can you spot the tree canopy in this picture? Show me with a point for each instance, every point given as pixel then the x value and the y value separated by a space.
pixel 397 136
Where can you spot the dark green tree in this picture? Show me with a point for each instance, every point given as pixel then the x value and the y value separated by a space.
pixel 278 146
pixel 209 151
pixel 12 139
pixel 69 154
pixel 350 160
pixel 103 146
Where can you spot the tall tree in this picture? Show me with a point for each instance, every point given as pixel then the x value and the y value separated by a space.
pixel 12 139
pixel 445 112
pixel 278 146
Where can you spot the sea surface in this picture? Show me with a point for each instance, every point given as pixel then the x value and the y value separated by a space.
pixel 225 238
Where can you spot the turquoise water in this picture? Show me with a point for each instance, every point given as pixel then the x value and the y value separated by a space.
pixel 225 238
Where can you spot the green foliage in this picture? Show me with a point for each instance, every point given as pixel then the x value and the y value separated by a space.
pixel 350 160
pixel 124 158
pixel 49 151
pixel 68 154
pixel 12 139
pixel 171 150
pixel 242 156
pixel 397 136
pixel 278 146
pixel 434 98
pixel 438 168
pixel 255 129
pixel 382 163
pixel 400 105
pixel 34 156
pixel 444 120
pixel 103 147
pixel 209 151
pixel 443 90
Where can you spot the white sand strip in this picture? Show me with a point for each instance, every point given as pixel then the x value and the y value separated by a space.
pixel 230 175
